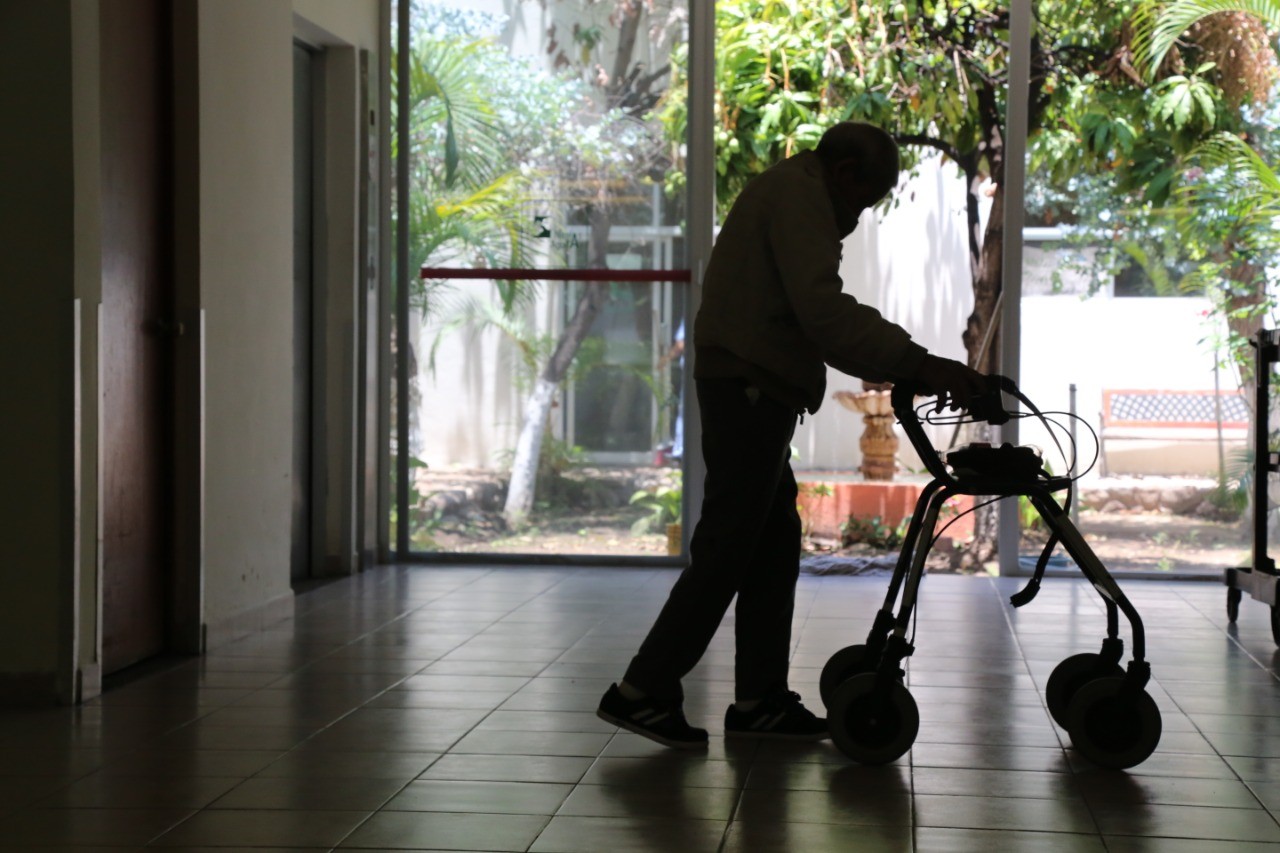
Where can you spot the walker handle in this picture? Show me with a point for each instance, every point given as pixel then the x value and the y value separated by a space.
pixel 988 406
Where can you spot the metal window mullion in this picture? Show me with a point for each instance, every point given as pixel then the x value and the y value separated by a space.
pixel 700 163
pixel 402 280
pixel 1015 172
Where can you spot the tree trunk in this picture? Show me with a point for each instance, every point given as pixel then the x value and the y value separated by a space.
pixel 1246 294
pixel 982 332
pixel 524 468
pixel 980 327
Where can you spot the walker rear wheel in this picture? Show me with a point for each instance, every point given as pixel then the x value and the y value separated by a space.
pixel 1113 727
pixel 843 665
pixel 1069 676
pixel 873 721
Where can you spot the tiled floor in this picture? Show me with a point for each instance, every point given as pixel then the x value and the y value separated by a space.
pixel 452 709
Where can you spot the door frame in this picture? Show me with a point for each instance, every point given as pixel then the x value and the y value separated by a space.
pixel 345 280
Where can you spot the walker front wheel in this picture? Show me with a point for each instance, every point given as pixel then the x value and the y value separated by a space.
pixel 1069 676
pixel 843 665
pixel 1111 726
pixel 873 721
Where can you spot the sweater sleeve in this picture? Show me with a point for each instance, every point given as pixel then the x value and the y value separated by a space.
pixel 853 338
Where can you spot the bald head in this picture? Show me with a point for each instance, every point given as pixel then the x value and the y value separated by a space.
pixel 859 154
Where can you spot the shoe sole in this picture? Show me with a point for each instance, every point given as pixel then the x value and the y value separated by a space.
pixel 653 736
pixel 811 738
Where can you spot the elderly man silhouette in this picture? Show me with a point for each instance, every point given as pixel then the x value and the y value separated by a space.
pixel 773 316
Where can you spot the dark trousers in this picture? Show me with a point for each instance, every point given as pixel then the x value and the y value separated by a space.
pixel 746 542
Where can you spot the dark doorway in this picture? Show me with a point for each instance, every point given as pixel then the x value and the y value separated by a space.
pixel 137 291
pixel 305 63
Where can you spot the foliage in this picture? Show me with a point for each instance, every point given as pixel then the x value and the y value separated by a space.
pixel 423 522
pixel 663 503
pixel 490 132
pixel 872 531
pixel 1241 39
pixel 816 490
pixel 474 315
pixel 493 136
pixel 558 457
pixel 1185 202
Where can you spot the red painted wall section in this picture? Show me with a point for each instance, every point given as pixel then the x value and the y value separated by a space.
pixel 891 502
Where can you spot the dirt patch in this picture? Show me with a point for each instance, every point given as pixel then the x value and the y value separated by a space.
pixel 1161 542
pixel 588 513
pixel 601 532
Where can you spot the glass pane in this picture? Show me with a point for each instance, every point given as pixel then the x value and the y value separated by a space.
pixel 1145 274
pixel 544 401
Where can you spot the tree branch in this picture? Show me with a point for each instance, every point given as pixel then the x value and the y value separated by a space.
pixel 928 142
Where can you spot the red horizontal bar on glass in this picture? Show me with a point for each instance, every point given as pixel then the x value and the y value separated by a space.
pixel 557 274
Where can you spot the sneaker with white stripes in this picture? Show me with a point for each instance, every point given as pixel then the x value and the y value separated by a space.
pixel 777 717
pixel 658 721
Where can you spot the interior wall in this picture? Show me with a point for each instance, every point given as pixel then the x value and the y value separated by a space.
pixel 81 644
pixel 246 273
pixel 246 280
pixel 339 29
pixel 235 200
pixel 350 22
pixel 37 348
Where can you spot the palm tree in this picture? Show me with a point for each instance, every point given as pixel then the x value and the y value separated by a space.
pixel 1158 27
pixel 1243 191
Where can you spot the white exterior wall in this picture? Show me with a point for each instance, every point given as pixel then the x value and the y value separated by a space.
pixel 1104 343
pixel 912 264
pixel 471 403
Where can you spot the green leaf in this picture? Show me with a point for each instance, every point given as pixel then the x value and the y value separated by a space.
pixel 451 156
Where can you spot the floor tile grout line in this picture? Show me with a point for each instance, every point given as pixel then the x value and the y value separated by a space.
pixel 1197 607
pixel 1232 636
pixel 295 747
pixel 487 715
pixel 1022 655
pixel 1235 640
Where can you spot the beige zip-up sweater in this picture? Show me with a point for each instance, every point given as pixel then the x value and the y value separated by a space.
pixel 773 307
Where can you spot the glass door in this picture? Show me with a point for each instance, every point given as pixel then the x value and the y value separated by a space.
pixel 547 269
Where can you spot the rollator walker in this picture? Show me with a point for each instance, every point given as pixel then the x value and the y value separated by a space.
pixel 1106 710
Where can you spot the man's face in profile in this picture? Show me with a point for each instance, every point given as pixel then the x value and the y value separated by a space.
pixel 853 192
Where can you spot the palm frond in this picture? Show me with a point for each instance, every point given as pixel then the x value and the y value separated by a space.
pixel 1157 26
pixel 482 315
pixel 1239 181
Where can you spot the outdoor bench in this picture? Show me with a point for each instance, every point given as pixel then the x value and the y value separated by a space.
pixel 1175 416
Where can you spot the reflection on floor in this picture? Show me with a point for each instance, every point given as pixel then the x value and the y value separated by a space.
pixel 451 709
